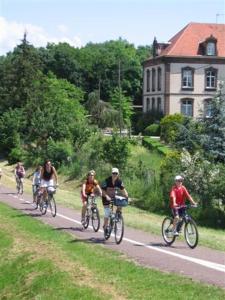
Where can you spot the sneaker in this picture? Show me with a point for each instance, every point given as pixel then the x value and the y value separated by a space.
pixel 175 233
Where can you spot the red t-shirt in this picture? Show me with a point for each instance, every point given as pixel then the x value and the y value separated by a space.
pixel 180 193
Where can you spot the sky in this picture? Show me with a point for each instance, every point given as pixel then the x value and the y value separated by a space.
pixel 78 22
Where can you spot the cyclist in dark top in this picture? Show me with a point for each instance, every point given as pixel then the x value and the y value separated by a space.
pixel 48 175
pixel 109 188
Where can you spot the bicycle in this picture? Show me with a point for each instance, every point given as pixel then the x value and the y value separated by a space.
pixel 92 213
pixel 185 223
pixel 44 203
pixel 19 185
pixel 116 221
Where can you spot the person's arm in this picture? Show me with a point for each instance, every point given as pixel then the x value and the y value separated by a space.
pixel 124 192
pixel 104 189
pixel 189 197
pixel 23 171
pixel 55 175
pixel 33 181
pixel 99 190
pixel 42 173
pixel 83 190
pixel 173 197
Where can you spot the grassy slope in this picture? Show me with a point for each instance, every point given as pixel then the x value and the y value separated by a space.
pixel 38 262
pixel 69 195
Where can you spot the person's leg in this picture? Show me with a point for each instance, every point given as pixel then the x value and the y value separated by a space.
pixel 106 215
pixel 175 219
pixel 84 208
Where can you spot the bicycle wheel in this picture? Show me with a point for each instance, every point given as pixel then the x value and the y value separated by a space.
pixel 95 218
pixel 167 231
pixel 86 219
pixel 119 228
pixel 191 233
pixel 43 205
pixel 36 200
pixel 52 205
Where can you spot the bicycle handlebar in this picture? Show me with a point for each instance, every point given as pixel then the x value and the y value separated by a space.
pixel 187 206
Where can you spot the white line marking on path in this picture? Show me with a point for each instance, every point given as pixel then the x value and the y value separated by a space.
pixel 205 263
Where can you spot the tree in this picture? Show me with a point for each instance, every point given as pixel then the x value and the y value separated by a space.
pixel 55 113
pixel 21 71
pixel 63 60
pixel 116 151
pixel 102 113
pixel 123 105
pixel 214 138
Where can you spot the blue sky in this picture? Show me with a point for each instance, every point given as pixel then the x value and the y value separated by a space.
pixel 81 21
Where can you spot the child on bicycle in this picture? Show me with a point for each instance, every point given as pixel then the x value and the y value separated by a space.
pixel 178 195
pixel 88 187
pixel 36 181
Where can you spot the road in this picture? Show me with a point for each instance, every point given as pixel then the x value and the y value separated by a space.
pixel 201 264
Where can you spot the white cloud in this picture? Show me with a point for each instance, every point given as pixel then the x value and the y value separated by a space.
pixel 12 32
pixel 62 28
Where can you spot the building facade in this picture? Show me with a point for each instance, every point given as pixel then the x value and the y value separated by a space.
pixel 185 74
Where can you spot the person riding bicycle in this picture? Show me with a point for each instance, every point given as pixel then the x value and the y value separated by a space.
pixel 109 188
pixel 178 195
pixel 19 173
pixel 36 180
pixel 48 176
pixel 88 187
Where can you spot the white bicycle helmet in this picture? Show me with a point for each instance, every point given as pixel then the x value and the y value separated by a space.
pixel 178 178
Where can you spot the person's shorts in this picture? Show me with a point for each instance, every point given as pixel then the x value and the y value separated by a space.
pixel 47 183
pixel 178 212
pixel 107 211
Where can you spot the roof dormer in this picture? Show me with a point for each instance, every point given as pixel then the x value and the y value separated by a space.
pixel 208 47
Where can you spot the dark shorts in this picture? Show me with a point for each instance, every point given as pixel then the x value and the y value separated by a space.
pixel 178 211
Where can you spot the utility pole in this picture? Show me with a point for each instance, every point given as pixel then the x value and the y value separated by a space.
pixel 120 106
pixel 217 16
pixel 99 88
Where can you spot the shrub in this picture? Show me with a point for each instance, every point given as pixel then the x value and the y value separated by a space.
pixel 169 127
pixel 153 144
pixel 116 151
pixel 59 152
pixel 153 129
pixel 16 154
pixel 170 166
pixel 141 120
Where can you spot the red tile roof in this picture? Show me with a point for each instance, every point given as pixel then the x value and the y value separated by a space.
pixel 186 42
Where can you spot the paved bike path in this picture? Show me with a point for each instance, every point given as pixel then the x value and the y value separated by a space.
pixel 201 264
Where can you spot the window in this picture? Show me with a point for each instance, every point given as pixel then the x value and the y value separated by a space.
pixel 211 48
pixel 187 78
pixel 159 80
pixel 211 78
pixel 159 104
pixel 148 80
pixel 147 104
pixel 153 80
pixel 187 107
pixel 153 103
pixel 208 108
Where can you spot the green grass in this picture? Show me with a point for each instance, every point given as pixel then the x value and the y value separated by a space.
pixel 69 195
pixel 151 160
pixel 38 262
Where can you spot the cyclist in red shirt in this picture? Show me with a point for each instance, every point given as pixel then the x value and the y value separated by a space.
pixel 178 195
